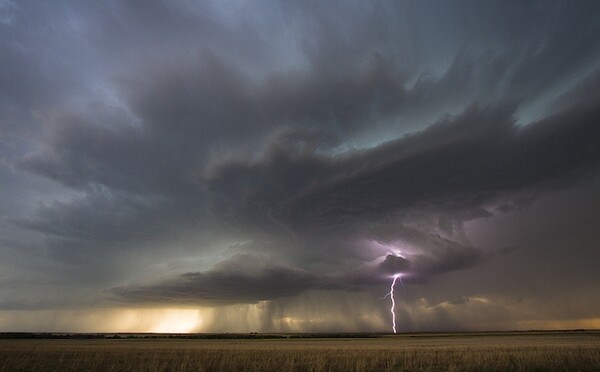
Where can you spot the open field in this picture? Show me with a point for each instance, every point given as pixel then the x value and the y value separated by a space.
pixel 560 351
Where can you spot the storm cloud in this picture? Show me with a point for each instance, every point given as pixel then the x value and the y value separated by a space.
pixel 171 153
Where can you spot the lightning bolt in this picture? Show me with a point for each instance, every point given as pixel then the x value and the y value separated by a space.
pixel 391 294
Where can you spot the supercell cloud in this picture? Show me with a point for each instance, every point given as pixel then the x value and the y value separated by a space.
pixel 283 158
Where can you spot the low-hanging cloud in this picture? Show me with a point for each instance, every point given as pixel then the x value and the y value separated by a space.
pixel 243 278
pixel 248 278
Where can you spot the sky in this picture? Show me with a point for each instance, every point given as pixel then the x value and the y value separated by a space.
pixel 270 166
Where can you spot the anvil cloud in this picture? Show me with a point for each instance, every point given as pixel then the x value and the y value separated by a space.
pixel 266 156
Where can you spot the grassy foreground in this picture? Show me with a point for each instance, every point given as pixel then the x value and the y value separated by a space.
pixel 451 352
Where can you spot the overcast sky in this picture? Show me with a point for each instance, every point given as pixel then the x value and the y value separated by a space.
pixel 237 166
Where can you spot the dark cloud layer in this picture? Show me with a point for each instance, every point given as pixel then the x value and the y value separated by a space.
pixel 242 278
pixel 459 162
pixel 260 151
pixel 394 264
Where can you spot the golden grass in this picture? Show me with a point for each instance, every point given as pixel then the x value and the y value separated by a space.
pixel 552 352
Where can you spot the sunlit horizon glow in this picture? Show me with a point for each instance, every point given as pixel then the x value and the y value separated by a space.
pixel 178 321
pixel 186 320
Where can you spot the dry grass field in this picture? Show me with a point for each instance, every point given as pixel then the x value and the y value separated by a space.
pixel 577 351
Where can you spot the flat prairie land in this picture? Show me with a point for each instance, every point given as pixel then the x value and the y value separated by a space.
pixel 560 351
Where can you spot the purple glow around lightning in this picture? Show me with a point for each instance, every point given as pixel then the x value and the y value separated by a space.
pixel 391 250
pixel 393 301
